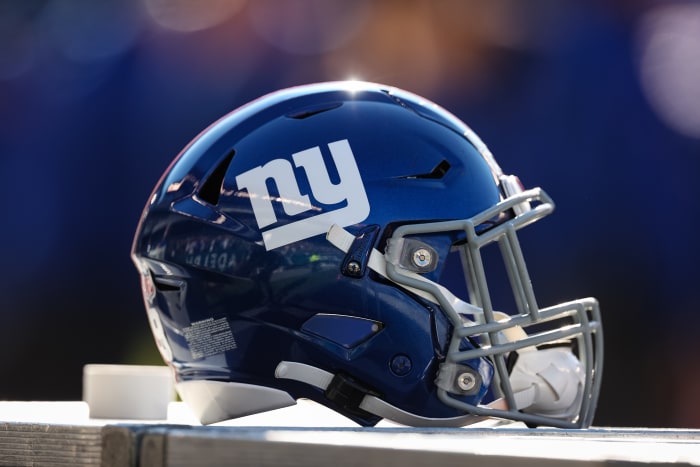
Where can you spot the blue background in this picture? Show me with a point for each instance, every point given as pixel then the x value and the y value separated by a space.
pixel 598 102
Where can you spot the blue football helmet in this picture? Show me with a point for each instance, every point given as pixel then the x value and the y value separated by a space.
pixel 330 242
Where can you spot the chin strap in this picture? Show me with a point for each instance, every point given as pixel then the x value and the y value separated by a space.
pixel 342 239
pixel 369 403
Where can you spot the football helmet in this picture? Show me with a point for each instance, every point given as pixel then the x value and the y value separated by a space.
pixel 331 242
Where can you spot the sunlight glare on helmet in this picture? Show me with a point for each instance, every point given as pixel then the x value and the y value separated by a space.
pixel 353 84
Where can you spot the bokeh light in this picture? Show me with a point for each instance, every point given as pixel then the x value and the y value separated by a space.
pixel 192 15
pixel 308 27
pixel 669 49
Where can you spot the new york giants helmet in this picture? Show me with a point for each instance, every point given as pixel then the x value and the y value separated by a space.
pixel 357 245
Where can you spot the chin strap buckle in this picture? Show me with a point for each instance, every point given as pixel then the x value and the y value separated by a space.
pixel 348 394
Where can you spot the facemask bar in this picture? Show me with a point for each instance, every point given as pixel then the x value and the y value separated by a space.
pixel 498 333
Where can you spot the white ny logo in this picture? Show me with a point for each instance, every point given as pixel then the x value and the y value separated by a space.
pixel 350 189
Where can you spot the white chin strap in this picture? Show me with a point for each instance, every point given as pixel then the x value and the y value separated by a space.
pixel 342 239
pixel 546 382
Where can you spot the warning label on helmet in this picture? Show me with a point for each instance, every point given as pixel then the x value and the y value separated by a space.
pixel 209 337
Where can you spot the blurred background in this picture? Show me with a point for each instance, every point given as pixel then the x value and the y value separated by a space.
pixel 596 101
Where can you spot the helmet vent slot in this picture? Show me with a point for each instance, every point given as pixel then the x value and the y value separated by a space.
pixel 439 171
pixel 314 110
pixel 211 187
pixel 166 285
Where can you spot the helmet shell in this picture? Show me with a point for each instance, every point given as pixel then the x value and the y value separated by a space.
pixel 236 270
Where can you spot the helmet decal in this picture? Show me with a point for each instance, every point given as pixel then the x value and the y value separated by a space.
pixel 209 337
pixel 349 189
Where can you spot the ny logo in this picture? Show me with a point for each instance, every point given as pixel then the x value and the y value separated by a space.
pixel 349 189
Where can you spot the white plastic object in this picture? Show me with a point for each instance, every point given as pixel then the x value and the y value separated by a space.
pixel 216 401
pixel 136 392
pixel 548 382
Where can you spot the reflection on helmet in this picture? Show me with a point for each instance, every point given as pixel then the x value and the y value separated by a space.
pixel 333 242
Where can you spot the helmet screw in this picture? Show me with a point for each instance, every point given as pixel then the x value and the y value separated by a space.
pixel 422 257
pixel 354 268
pixel 401 365
pixel 466 381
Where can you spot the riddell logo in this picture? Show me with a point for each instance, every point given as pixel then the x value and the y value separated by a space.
pixel 349 189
